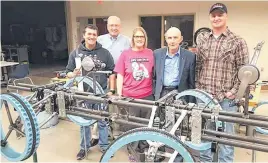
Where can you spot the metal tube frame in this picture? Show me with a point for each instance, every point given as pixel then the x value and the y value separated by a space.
pixel 222 138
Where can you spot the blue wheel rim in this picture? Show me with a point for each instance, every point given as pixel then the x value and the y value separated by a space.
pixel 8 152
pixel 147 134
pixel 89 81
pixel 207 99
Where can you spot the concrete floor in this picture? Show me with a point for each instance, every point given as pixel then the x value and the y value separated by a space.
pixel 61 143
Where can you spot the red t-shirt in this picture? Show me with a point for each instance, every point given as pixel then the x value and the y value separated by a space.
pixel 137 68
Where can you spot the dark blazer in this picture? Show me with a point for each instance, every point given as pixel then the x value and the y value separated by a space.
pixel 186 74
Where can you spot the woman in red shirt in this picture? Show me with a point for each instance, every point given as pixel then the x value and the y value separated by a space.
pixel 135 72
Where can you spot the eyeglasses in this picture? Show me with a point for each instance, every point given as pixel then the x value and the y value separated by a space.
pixel 139 36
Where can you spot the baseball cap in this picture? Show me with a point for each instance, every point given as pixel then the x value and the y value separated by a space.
pixel 218 6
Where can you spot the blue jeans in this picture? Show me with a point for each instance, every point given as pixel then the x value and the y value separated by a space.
pixel 103 132
pixel 226 152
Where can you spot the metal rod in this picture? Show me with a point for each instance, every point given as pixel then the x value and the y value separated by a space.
pixel 245 121
pixel 83 93
pixel 107 114
pixel 47 86
pixel 85 140
pixel 205 115
pixel 8 113
pixel 19 131
pixel 258 117
pixel 18 87
pixel 121 121
pixel 96 117
pixel 241 115
pixel 26 85
pixel 236 143
pixel 38 110
pixel 43 100
pixel 233 114
pixel 35 158
pixel 256 54
pixel 249 130
pixel 251 121
pixel 148 102
pixel 90 111
pixel 8 134
pixel 246 101
pixel 170 94
pixel 178 122
pixel 31 87
pixel 131 104
pixel 116 102
pixel 41 103
pixel 151 121
pixel 49 118
pixel 243 138
pixel 253 158
pixel 32 96
pixel 239 120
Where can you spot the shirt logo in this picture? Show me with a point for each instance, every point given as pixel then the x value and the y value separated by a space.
pixel 139 71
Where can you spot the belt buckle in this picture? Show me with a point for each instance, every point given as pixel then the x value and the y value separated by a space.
pixel 170 87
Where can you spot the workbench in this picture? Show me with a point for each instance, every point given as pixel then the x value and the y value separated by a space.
pixel 4 65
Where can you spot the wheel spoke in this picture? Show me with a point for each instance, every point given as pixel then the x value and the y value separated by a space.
pixel 3 142
pixel 19 131
pixel 8 113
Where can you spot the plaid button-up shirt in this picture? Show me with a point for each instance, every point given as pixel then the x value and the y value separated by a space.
pixel 218 62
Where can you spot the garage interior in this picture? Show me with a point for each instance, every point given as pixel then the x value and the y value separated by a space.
pixel 39 38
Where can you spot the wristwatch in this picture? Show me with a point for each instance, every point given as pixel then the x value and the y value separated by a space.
pixel 113 91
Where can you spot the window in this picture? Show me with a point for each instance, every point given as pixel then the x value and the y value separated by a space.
pixel 152 26
pixel 100 22
pixel 156 26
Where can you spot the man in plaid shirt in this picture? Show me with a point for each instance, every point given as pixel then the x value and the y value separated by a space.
pixel 220 55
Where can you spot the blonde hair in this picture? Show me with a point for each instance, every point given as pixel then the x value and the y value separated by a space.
pixel 145 36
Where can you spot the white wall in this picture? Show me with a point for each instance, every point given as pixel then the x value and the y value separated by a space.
pixel 248 19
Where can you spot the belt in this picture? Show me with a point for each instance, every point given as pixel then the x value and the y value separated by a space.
pixel 170 87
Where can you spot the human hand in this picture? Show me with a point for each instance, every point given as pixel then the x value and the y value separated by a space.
pixel 109 93
pixel 252 87
pixel 77 72
pixel 193 50
pixel 230 95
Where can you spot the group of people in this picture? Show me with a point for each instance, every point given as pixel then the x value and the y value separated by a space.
pixel 139 72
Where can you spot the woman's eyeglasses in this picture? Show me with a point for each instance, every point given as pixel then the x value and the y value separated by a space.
pixel 138 36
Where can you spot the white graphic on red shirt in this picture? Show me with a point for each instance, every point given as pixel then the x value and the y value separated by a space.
pixel 139 71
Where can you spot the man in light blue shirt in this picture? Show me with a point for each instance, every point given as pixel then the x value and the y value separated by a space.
pixel 174 70
pixel 171 70
pixel 174 66
pixel 113 41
